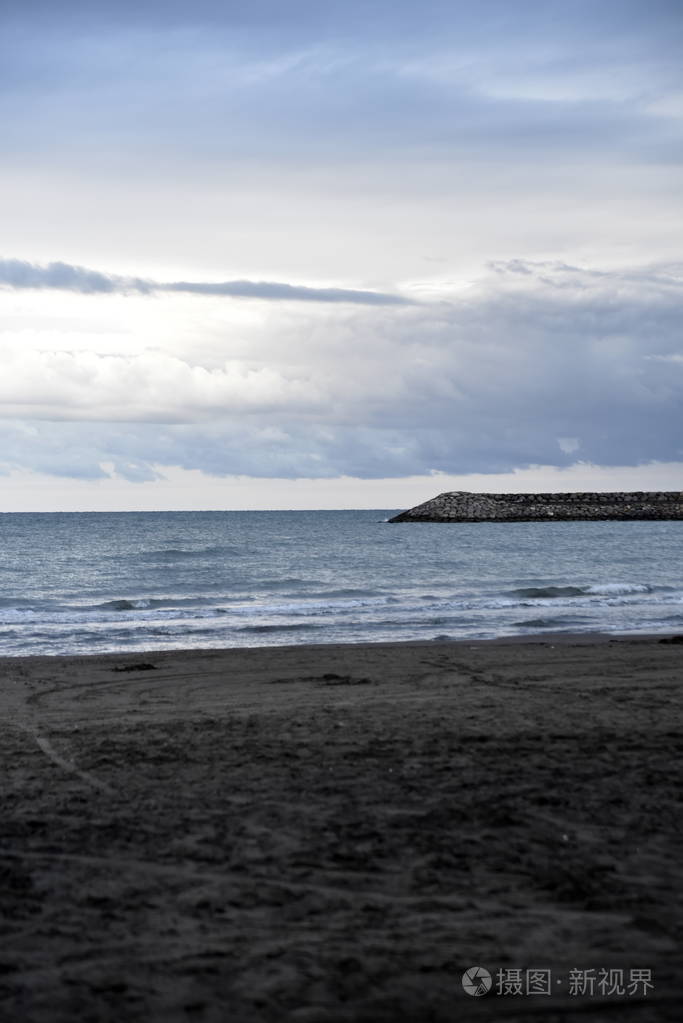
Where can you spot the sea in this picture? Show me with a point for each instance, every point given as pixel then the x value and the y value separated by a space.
pixel 80 583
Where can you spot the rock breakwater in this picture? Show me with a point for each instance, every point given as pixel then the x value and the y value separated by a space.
pixel 463 506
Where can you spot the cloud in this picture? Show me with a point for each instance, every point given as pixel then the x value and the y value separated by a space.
pixel 287 292
pixel 569 444
pixel 150 387
pixel 520 368
pixel 15 273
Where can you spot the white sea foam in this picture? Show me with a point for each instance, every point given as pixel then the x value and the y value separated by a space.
pixel 618 589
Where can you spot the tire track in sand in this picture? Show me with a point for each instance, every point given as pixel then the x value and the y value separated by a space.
pixel 67 765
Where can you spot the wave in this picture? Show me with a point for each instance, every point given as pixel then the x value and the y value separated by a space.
pixel 544 592
pixel 345 605
pixel 305 608
pixel 292 627
pixel 125 605
pixel 18 614
pixel 668 619
pixel 591 590
pixel 552 622
pixel 180 604
pixel 284 582
pixel 168 553
pixel 619 589
pixel 342 592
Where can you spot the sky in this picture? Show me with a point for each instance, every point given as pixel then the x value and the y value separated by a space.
pixel 274 255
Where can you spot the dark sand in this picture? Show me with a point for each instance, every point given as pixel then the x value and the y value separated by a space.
pixel 336 833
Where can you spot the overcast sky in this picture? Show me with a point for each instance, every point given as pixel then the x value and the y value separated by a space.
pixel 338 255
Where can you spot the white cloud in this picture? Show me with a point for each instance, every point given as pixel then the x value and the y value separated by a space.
pixel 569 444
pixel 150 387
pixel 673 357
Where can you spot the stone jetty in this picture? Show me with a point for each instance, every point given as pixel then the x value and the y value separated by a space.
pixel 462 506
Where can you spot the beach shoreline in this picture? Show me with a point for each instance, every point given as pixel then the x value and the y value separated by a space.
pixel 549 636
pixel 336 832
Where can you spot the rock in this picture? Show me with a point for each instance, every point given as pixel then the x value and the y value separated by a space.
pixel 462 506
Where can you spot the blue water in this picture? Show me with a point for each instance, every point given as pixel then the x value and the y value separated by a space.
pixel 84 583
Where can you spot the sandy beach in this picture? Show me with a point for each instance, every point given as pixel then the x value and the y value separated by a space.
pixel 336 833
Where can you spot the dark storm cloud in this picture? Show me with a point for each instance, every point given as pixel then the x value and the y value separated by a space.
pixel 15 273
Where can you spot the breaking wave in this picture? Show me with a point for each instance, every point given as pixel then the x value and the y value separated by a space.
pixel 591 590
pixel 125 605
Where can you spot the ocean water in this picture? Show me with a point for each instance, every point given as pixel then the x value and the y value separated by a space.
pixel 93 582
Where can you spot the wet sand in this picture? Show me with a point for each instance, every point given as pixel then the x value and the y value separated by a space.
pixel 332 833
